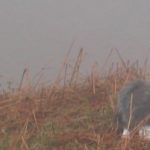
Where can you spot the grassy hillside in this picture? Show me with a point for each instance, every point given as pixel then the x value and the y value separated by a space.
pixel 72 113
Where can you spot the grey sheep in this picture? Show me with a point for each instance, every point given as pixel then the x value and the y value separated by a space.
pixel 133 106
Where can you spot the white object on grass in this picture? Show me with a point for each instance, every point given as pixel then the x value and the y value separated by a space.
pixel 144 132
pixel 126 133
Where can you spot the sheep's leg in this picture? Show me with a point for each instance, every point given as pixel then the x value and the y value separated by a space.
pixel 144 132
pixel 126 133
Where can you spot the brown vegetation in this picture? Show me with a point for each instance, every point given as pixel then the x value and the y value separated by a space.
pixel 73 113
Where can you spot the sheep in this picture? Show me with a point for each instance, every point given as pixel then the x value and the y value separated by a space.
pixel 133 106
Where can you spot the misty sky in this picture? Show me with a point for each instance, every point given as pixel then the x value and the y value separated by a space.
pixel 38 33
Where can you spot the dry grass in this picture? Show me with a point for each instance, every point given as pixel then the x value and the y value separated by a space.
pixel 73 113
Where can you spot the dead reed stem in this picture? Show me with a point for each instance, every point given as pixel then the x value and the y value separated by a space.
pixel 130 111
pixel 93 78
pixel 24 143
pixel 121 58
pixel 22 79
pixel 33 112
pixel 107 59
pixel 75 72
pixel 58 79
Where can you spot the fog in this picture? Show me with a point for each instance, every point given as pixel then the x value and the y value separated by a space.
pixel 38 33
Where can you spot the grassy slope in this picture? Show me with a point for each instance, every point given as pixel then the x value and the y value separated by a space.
pixel 77 117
